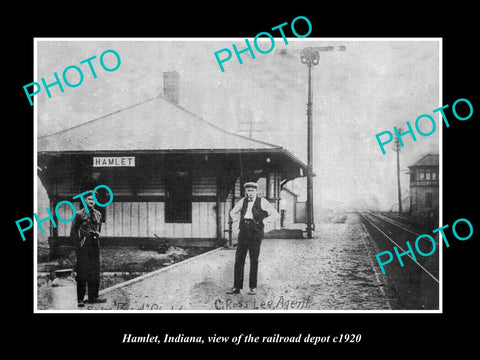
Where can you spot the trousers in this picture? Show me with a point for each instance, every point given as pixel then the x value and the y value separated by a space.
pixel 249 240
pixel 88 269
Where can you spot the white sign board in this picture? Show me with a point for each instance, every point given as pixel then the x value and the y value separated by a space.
pixel 114 161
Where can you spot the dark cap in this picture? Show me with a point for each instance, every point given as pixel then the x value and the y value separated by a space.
pixel 250 185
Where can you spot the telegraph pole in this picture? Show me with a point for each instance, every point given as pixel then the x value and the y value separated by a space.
pixel 250 130
pixel 310 56
pixel 397 149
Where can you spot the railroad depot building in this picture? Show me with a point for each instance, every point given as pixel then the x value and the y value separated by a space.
pixel 424 185
pixel 174 176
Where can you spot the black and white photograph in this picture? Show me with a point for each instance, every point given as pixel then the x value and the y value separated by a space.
pixel 238 175
pixel 215 179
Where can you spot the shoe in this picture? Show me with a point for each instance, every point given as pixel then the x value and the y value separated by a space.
pixel 97 301
pixel 233 291
pixel 81 304
pixel 252 291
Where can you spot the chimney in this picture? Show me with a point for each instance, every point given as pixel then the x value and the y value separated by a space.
pixel 171 86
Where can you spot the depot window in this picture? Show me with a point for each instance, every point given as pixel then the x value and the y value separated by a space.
pixel 427 175
pixel 422 174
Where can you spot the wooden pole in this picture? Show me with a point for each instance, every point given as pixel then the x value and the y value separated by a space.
pixel 217 210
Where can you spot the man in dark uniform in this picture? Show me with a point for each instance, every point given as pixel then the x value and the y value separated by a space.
pixel 85 232
pixel 252 211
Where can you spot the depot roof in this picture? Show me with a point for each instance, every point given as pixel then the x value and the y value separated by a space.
pixel 156 124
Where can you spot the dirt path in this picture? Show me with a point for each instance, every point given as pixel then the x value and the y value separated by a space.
pixel 335 271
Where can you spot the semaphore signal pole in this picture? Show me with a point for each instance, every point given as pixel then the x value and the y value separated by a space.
pixel 310 56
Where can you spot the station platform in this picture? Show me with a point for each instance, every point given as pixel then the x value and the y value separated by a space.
pixel 335 271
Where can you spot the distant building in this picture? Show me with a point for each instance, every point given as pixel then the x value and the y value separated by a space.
pixel 424 185
pixel 288 207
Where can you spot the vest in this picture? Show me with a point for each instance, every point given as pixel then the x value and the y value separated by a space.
pixel 258 213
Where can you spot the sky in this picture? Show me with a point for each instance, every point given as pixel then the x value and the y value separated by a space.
pixel 370 87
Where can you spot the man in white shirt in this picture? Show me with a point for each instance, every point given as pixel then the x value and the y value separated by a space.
pixel 253 212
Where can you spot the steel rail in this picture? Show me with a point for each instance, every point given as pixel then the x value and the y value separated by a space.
pixel 393 241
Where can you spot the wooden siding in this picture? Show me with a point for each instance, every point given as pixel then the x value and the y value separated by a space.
pixel 143 214
pixel 65 212
pixel 145 219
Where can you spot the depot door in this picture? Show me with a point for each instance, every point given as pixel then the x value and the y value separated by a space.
pixel 178 202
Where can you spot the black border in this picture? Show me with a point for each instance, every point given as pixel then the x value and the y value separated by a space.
pixel 382 334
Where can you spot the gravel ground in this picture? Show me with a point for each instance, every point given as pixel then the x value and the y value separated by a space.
pixel 334 271
pixel 118 264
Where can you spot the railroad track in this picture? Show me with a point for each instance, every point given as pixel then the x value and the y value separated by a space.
pixel 417 282
pixel 395 223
